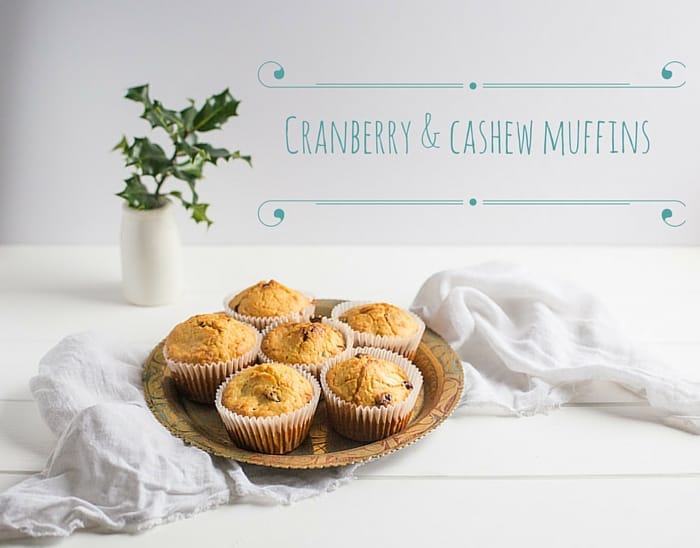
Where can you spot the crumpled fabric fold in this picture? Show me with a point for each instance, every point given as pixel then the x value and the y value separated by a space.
pixel 529 344
pixel 115 468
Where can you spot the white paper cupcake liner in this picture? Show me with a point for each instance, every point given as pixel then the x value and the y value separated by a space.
pixel 261 322
pixel 273 435
pixel 406 346
pixel 315 368
pixel 364 423
pixel 199 382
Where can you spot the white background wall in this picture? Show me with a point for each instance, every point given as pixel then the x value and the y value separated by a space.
pixel 66 65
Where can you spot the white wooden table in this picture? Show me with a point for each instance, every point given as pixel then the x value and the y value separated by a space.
pixel 600 472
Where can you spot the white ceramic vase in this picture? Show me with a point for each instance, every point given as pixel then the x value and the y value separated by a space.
pixel 151 256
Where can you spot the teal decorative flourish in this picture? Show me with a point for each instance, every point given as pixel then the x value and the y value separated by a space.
pixel 666 74
pixel 279 214
pixel 666 213
pixel 278 74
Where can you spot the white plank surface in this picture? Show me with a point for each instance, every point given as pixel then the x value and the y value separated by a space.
pixel 110 314
pixel 602 471
pixel 25 440
pixel 85 281
pixel 8 479
pixel 643 513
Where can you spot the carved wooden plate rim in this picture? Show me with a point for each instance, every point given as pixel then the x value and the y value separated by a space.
pixel 200 426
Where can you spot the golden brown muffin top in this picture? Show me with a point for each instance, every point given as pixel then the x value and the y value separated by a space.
pixel 303 342
pixel 265 299
pixel 207 338
pixel 380 319
pixel 369 381
pixel 267 390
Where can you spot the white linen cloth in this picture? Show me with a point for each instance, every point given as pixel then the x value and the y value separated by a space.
pixel 115 468
pixel 528 344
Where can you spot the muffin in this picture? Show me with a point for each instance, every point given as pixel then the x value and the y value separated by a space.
pixel 205 349
pixel 268 407
pixel 371 395
pixel 381 325
pixel 269 302
pixel 310 345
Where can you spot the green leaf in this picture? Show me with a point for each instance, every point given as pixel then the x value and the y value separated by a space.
pixel 212 154
pixel 139 94
pixel 199 214
pixel 178 195
pixel 191 170
pixel 187 149
pixel 216 110
pixel 187 115
pixel 122 145
pixel 238 156
pixel 182 127
pixel 149 157
pixel 159 116
pixel 136 194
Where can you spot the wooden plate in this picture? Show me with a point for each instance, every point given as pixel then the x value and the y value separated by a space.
pixel 200 425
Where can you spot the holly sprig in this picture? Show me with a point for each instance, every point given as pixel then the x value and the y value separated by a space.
pixel 152 166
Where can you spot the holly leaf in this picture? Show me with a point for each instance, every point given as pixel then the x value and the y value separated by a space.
pixel 212 154
pixel 179 196
pixel 186 148
pixel 122 145
pixel 136 193
pixel 149 157
pixel 190 171
pixel 139 94
pixel 199 214
pixel 216 110
pixel 159 116
pixel 238 156
pixel 187 116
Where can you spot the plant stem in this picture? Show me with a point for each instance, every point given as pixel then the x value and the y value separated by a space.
pixel 156 196
pixel 164 176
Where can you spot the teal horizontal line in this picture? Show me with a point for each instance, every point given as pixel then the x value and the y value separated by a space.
pixel 291 86
pixel 666 200
pixel 556 84
pixel 560 87
pixel 390 202
pixel 390 86
pixel 359 201
pixel 365 86
pixel 559 201
pixel 486 202
pixel 652 86
pixel 578 86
